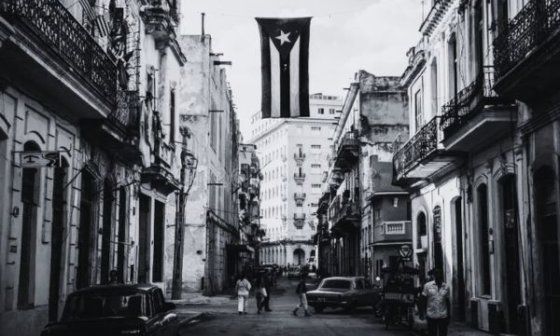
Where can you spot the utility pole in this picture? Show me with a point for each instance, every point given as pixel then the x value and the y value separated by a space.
pixel 177 282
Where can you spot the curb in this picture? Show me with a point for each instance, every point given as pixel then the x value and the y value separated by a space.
pixel 190 319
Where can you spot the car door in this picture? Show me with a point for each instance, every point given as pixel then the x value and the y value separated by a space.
pixel 360 291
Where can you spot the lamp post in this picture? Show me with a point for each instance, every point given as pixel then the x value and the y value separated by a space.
pixel 188 162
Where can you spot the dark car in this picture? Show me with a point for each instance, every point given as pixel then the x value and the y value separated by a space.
pixel 343 292
pixel 138 310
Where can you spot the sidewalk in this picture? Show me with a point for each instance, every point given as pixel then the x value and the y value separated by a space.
pixel 455 329
pixel 200 299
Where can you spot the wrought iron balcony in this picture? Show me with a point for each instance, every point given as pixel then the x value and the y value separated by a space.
pixel 299 220
pixel 299 178
pixel 299 198
pixel 476 115
pixel 299 157
pixel 51 23
pixel 526 51
pixel 422 155
pixel 348 151
pixel 160 17
pixel 126 115
pixel 344 213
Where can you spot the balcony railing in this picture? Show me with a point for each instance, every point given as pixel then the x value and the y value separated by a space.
pixel 469 102
pixel 347 210
pixel 392 231
pixel 53 24
pixel 394 228
pixel 126 115
pixel 299 220
pixel 299 178
pixel 527 30
pixel 299 198
pixel 299 157
pixel 348 150
pixel 418 148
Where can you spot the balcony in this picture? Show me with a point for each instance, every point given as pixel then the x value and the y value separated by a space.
pixel 159 174
pixel 299 198
pixel 436 13
pixel 476 116
pixel 120 131
pixel 348 151
pixel 527 52
pixel 299 220
pixel 344 214
pixel 56 49
pixel 299 157
pixel 299 178
pixel 161 16
pixel 422 156
pixel 397 232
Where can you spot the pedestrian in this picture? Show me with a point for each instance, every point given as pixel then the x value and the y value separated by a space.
pixel 113 277
pixel 435 305
pixel 301 291
pixel 243 286
pixel 268 284
pixel 261 294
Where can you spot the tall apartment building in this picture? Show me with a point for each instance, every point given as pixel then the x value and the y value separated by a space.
pixel 293 155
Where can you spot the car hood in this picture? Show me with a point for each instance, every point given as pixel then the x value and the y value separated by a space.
pixel 101 326
pixel 327 291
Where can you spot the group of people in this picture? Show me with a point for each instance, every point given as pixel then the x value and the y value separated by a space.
pixel 263 287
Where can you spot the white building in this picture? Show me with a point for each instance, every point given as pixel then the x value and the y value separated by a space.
pixel 293 154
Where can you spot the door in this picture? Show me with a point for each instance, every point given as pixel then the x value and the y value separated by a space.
pixel 143 239
pixel 58 210
pixel 460 299
pixel 438 249
pixel 86 238
pixel 122 233
pixel 511 250
pixel 547 225
pixel 107 231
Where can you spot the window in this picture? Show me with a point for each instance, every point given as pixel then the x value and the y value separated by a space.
pixel 331 111
pixel 421 230
pixel 172 116
pixel 453 68
pixel 316 146
pixel 315 128
pixel 434 88
pixel 418 110
pixel 321 110
pixel 484 241
pixel 315 165
pixel 315 186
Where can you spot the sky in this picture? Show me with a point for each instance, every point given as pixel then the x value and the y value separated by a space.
pixel 346 36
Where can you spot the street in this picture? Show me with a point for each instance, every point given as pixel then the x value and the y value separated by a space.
pixel 223 319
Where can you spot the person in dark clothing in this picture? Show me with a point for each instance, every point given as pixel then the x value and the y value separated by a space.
pixel 301 291
pixel 268 288
pixel 260 294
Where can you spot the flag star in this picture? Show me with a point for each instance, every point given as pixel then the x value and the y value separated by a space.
pixel 283 37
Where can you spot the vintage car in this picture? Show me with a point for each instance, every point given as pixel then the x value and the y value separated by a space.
pixel 139 310
pixel 343 292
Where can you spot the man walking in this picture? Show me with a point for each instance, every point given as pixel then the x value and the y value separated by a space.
pixel 243 286
pixel 301 291
pixel 435 305
pixel 268 283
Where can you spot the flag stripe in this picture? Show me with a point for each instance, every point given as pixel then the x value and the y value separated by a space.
pixel 294 80
pixel 285 86
pixel 304 71
pixel 274 81
pixel 265 70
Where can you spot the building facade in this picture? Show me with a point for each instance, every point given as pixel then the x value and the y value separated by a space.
pixel 481 162
pixel 293 154
pixel 212 219
pixel 362 219
pixel 96 101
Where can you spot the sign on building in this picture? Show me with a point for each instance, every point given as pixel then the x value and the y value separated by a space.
pixel 39 159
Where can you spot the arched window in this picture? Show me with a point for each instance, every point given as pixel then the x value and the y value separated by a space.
pixel 484 241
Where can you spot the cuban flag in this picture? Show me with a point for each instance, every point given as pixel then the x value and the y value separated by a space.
pixel 285 67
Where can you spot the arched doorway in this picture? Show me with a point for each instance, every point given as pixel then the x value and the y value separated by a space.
pixel 421 244
pixel 437 239
pixel 547 227
pixel 107 230
pixel 299 256
pixel 30 181
pixel 86 236
pixel 510 228
pixel 459 278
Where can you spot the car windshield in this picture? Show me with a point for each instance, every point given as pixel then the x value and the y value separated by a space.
pixel 91 305
pixel 336 283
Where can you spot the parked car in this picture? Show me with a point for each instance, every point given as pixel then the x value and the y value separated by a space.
pixel 139 310
pixel 343 292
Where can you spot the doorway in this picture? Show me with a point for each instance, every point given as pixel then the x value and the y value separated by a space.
pixel 143 238
pixel 122 232
pixel 107 232
pixel 30 201
pixel 57 231
pixel 510 227
pixel 438 248
pixel 159 230
pixel 86 238
pixel 299 256
pixel 460 285
pixel 547 227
